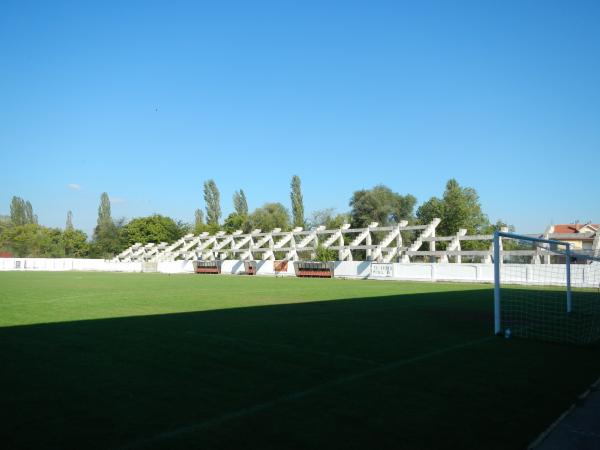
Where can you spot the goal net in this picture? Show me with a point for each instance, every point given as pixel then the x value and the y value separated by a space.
pixel 545 290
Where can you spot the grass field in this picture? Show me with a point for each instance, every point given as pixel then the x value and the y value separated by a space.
pixel 126 361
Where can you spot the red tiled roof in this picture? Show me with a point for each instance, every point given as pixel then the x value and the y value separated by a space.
pixel 573 227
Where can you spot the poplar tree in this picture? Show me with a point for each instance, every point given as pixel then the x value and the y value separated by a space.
pixel 17 211
pixel 104 217
pixel 69 224
pixel 29 216
pixel 21 212
pixel 212 200
pixel 297 202
pixel 198 218
pixel 106 233
pixel 239 203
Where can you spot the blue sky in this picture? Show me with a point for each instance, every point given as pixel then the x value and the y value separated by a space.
pixel 146 100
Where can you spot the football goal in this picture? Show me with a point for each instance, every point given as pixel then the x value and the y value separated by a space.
pixel 545 289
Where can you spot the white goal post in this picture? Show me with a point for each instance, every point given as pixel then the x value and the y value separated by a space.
pixel 498 261
pixel 545 289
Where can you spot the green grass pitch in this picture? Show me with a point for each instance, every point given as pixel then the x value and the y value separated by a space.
pixel 148 361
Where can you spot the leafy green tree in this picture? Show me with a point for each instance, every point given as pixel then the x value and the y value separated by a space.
pixel 4 223
pixel 380 204
pixel 69 224
pixel 240 204
pixel 491 228
pixel 462 208
pixel 337 221
pixel 75 243
pixel 49 243
pixel 17 239
pixel 432 208
pixel 155 228
pixel 297 202
pixel 269 216
pixel 33 240
pixel 107 241
pixel 235 221
pixel 458 208
pixel 213 203
pixel 328 218
pixel 184 227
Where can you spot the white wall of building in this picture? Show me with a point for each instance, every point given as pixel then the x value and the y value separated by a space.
pixel 65 264
pixel 175 267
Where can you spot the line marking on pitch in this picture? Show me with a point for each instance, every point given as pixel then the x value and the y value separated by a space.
pixel 259 407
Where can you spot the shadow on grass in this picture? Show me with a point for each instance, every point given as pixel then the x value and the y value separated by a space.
pixel 194 380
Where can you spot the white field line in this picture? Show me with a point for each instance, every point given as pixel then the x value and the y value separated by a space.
pixel 259 407
pixel 290 347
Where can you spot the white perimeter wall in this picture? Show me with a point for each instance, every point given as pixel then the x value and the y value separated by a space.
pixel 63 264
pixel 581 275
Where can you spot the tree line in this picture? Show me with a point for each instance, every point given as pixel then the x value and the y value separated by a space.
pixel 21 235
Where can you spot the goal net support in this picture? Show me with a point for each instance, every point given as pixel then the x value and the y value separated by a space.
pixel 546 290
